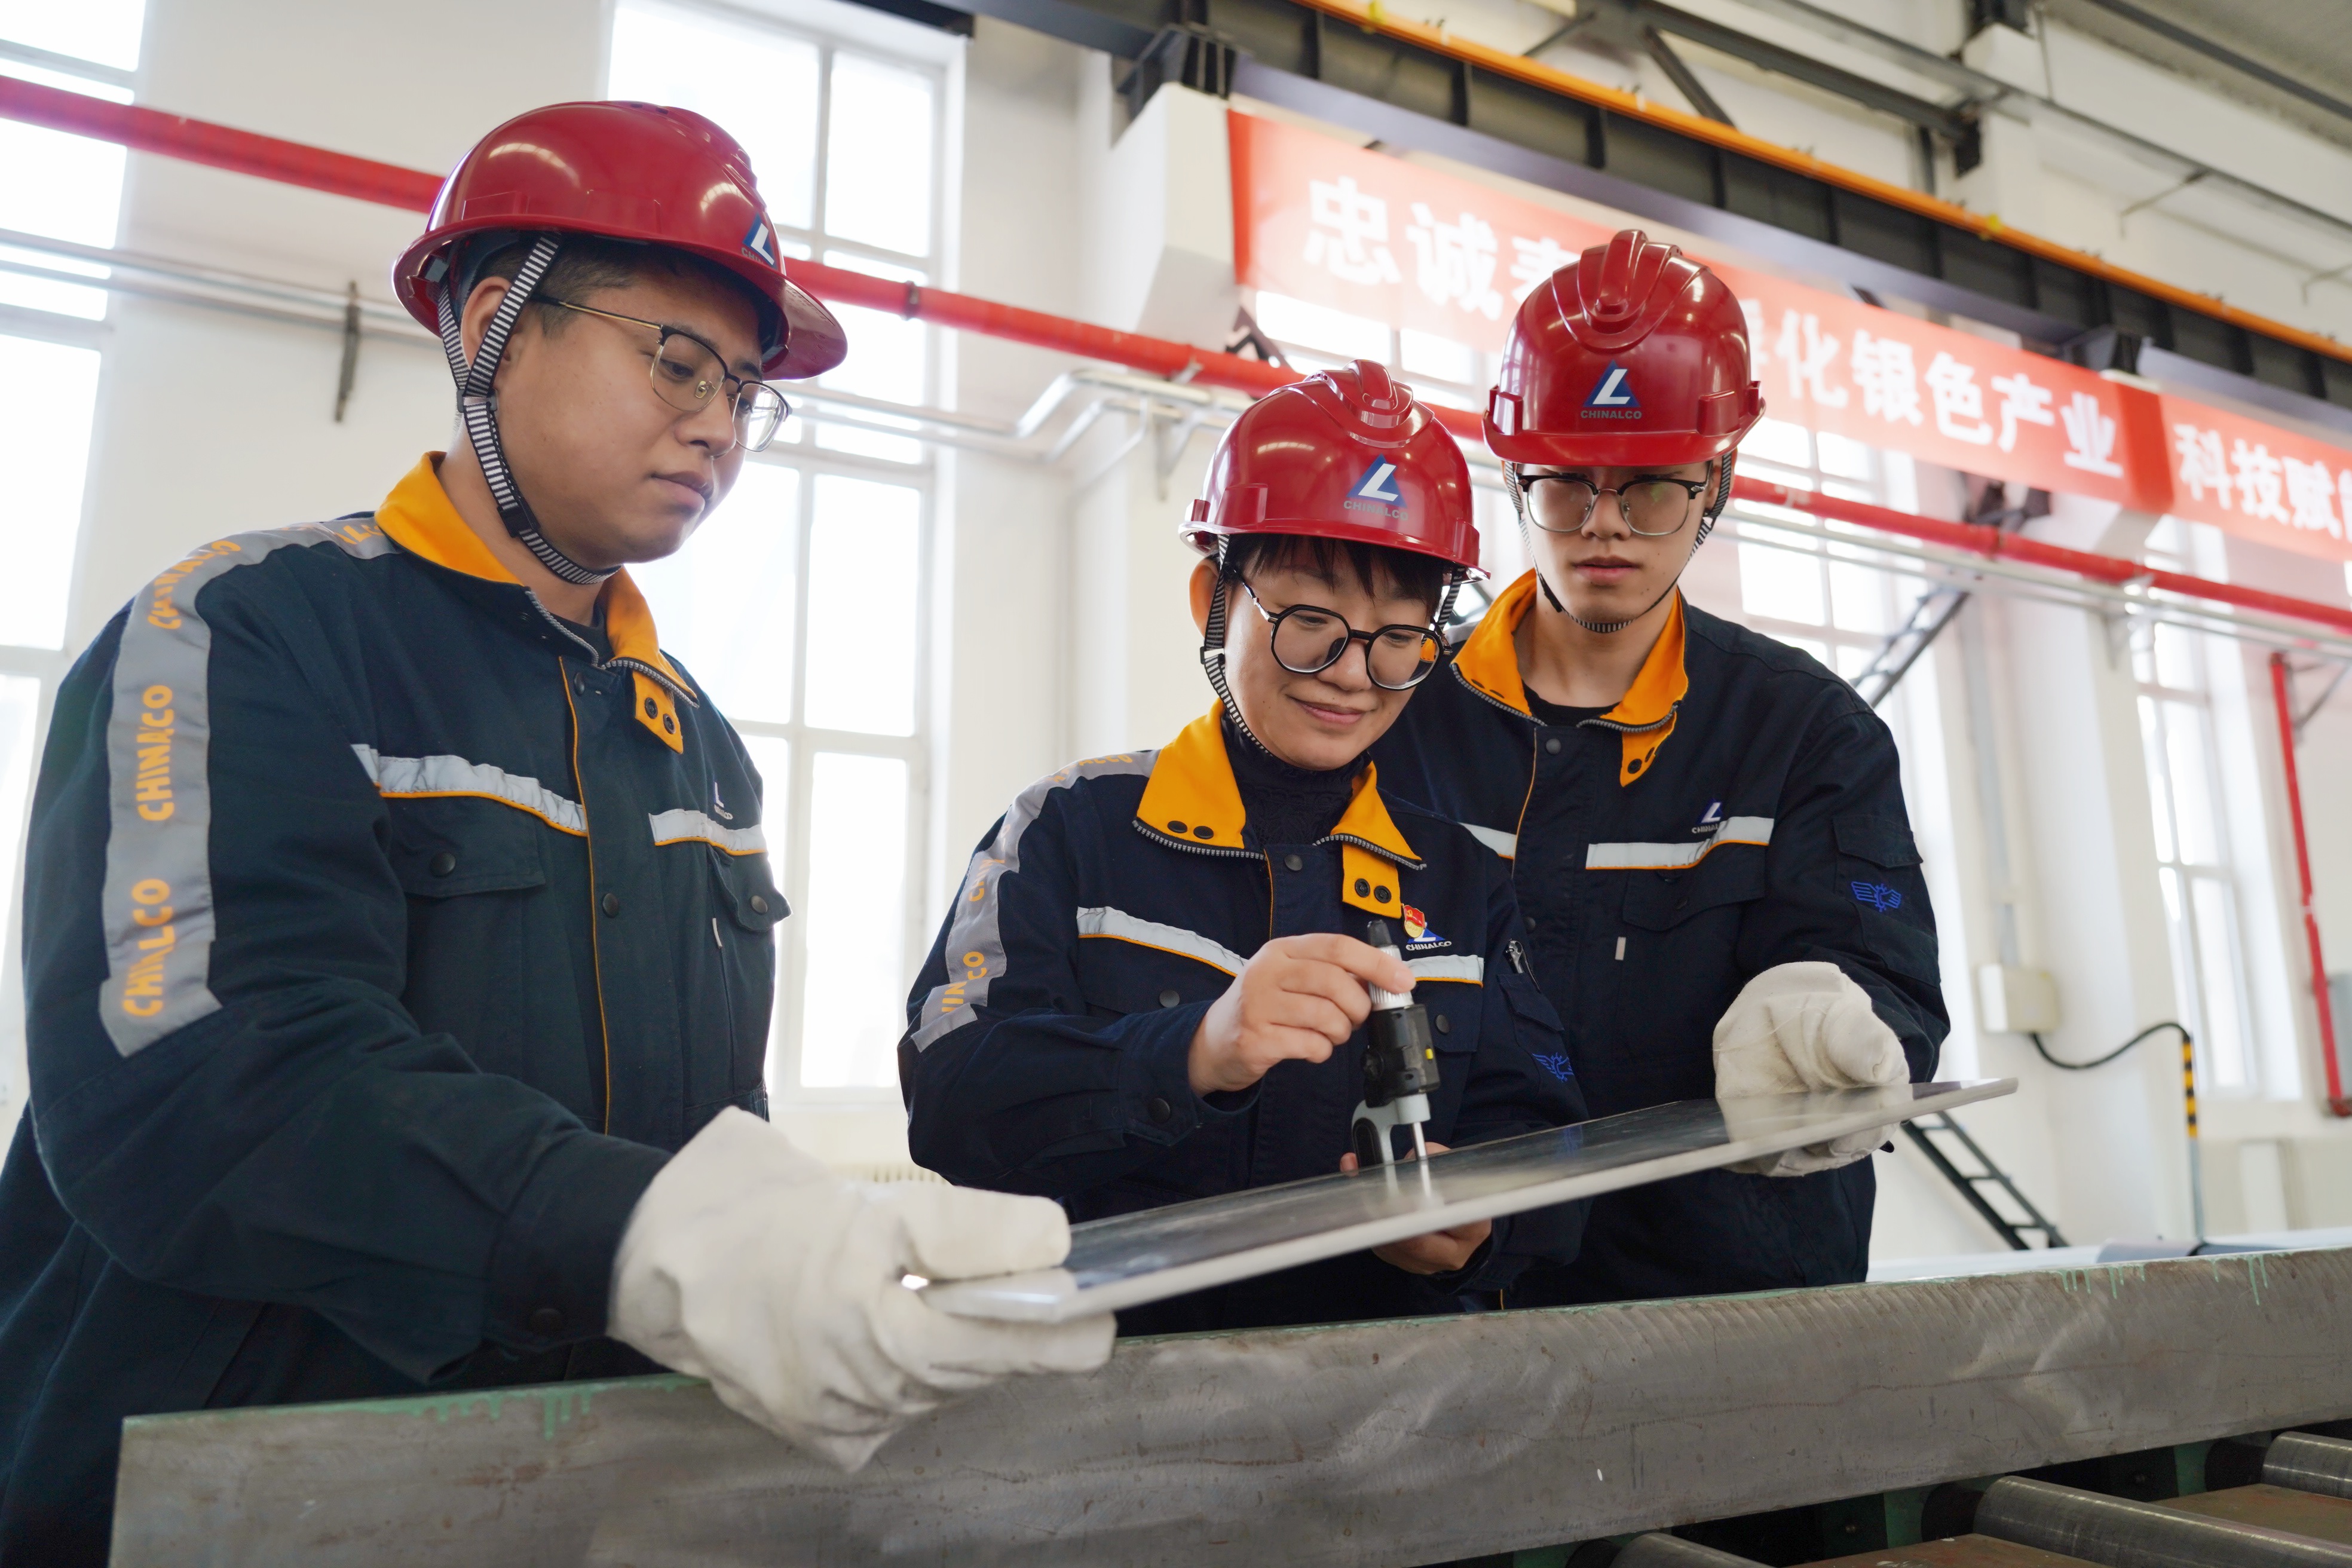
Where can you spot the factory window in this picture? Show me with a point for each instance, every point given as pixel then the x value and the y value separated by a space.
pixel 1808 592
pixel 2207 823
pixel 70 188
pixel 847 141
pixel 799 605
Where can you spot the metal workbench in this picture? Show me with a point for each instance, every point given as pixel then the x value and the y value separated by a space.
pixel 1398 1443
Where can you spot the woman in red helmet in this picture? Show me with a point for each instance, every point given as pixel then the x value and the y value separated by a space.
pixel 1705 827
pixel 400 922
pixel 1152 984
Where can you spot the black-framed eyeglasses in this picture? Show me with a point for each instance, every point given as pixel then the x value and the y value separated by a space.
pixel 686 372
pixel 1652 505
pixel 1310 639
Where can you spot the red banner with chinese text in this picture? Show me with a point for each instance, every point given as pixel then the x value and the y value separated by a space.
pixel 1392 241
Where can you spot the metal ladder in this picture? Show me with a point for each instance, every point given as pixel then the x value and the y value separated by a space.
pixel 1972 1187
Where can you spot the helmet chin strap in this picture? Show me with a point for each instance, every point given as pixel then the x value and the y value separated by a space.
pixel 477 407
pixel 1604 628
pixel 1212 655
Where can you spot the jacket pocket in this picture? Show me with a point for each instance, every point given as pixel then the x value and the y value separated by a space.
pixel 1122 977
pixel 743 930
pixel 447 847
pixel 481 931
pixel 1454 1007
pixel 1661 900
pixel 1878 869
pixel 1882 840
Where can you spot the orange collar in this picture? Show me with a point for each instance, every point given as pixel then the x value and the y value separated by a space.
pixel 1489 665
pixel 1192 799
pixel 419 517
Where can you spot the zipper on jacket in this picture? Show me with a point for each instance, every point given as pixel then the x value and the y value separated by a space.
pixel 1391 856
pixel 638 666
pixel 1159 838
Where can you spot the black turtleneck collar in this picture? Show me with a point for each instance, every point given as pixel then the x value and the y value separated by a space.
pixel 1287 805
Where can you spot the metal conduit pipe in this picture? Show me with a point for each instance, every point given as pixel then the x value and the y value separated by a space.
pixel 2310 1463
pixel 1193 372
pixel 1659 1550
pixel 2120 1533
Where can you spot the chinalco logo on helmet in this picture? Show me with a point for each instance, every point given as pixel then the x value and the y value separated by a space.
pixel 1376 491
pixel 762 242
pixel 1613 396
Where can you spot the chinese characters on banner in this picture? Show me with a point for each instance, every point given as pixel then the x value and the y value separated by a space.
pixel 1392 241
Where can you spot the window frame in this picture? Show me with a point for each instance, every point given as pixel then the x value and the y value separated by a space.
pixel 2180 877
pixel 835 29
pixel 49 666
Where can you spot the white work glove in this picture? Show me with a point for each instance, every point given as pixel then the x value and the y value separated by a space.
pixel 749 1263
pixel 1800 1027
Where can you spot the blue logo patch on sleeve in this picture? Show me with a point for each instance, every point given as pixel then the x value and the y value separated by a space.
pixel 1878 895
pixel 1557 1065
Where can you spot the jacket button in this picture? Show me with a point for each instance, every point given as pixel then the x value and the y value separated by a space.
pixel 441 865
pixel 547 1322
pixel 1294 862
pixel 758 903
pixel 1160 1110
pixel 1552 745
pixel 1379 895
pixel 1442 1024
pixel 1176 827
pixel 1169 998
pixel 610 903
pixel 1362 888
pixel 650 708
pixel 670 725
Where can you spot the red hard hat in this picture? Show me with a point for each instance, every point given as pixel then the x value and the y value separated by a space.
pixel 1348 455
pixel 1629 356
pixel 624 171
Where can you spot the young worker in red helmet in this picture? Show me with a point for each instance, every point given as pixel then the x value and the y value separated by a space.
pixel 1705 827
pixel 399 952
pixel 1152 984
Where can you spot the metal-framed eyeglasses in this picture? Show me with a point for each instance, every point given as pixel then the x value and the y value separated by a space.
pixel 687 372
pixel 1653 506
pixel 1309 640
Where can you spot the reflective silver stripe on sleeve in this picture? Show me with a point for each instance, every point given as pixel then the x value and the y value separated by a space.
pixel 1677 856
pixel 1466 967
pixel 688 826
pixel 157 904
pixel 1507 845
pixel 975 945
pixel 1121 926
pixel 398 778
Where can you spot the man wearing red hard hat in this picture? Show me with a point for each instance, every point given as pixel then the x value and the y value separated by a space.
pixel 1154 986
pixel 1705 827
pixel 400 926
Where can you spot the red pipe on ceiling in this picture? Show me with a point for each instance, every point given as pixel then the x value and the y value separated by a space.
pixel 364 179
pixel 217 146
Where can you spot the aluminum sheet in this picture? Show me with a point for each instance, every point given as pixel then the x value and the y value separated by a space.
pixel 1126 1262
pixel 1352 1446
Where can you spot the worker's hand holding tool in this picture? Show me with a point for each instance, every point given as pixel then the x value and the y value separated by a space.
pixel 1439 1252
pixel 749 1263
pixel 1298 997
pixel 1800 1027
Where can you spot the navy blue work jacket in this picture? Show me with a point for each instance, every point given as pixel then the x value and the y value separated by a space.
pixel 1050 1028
pixel 1740 808
pixel 381 939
